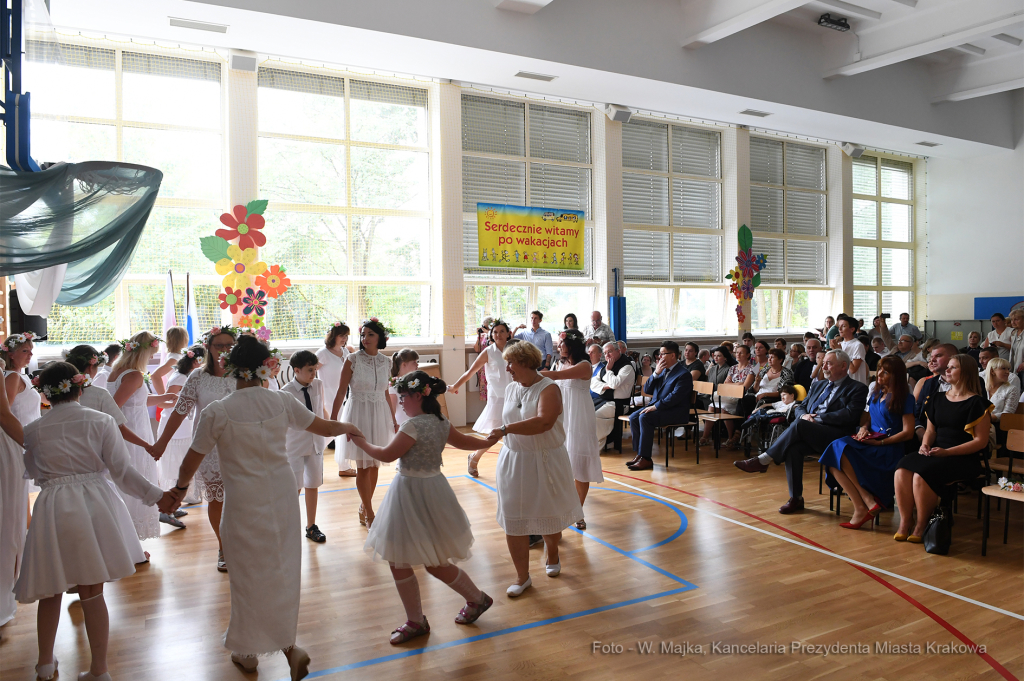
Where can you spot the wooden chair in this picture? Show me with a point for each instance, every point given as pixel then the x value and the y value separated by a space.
pixel 711 420
pixel 632 404
pixel 988 493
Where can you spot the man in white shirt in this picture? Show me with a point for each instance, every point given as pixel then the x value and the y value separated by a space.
pixel 597 331
pixel 905 326
pixel 999 336
pixel 304 449
pixel 614 385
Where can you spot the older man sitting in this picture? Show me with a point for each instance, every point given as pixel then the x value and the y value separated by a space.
pixel 612 385
pixel 597 332
pixel 832 410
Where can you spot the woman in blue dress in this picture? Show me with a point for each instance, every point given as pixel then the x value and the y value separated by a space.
pixel 864 464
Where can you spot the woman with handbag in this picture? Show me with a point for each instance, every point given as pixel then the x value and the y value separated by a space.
pixel 956 435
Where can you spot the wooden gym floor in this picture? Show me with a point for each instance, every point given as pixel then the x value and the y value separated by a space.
pixel 695 557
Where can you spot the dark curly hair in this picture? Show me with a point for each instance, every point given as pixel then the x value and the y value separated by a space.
pixel 248 353
pixel 189 362
pixel 495 324
pixel 52 375
pixel 82 356
pixel 379 329
pixel 574 343
pixel 415 382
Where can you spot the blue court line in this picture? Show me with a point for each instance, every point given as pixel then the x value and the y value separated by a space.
pixel 687 586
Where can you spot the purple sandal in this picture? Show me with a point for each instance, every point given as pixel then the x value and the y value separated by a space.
pixel 472 611
pixel 409 631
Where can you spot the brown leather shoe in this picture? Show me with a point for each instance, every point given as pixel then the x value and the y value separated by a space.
pixel 635 460
pixel 641 465
pixel 794 505
pixel 751 465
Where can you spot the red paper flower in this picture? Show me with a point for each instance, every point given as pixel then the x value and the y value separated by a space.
pixel 243 227
pixel 231 298
pixel 274 281
pixel 748 263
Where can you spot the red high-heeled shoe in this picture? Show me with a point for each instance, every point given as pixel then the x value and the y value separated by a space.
pixel 857 526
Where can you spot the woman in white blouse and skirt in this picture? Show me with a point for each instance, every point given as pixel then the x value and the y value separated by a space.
pixel 493 365
pixel 534 477
pixel 261 521
pixel 332 359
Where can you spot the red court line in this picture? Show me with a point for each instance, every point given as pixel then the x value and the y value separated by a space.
pixel 1003 671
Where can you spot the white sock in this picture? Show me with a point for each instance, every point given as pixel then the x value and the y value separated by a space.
pixel 465 587
pixel 764 459
pixel 409 592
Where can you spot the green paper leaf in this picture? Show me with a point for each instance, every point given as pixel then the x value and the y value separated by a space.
pixel 728 276
pixel 746 239
pixel 757 280
pixel 256 207
pixel 214 248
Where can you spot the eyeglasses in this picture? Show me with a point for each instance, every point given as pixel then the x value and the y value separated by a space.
pixel 222 346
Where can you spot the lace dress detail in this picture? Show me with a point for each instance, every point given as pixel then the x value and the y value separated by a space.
pixel 199 391
pixel 424 459
pixel 367 408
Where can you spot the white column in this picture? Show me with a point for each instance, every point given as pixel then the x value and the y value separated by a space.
pixel 242 145
pixel 607 208
pixel 449 307
pixel 735 211
pixel 839 174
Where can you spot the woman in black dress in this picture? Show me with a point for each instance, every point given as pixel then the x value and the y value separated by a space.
pixel 951 448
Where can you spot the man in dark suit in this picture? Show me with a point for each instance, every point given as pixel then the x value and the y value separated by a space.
pixel 670 387
pixel 802 369
pixel 831 410
pixel 927 388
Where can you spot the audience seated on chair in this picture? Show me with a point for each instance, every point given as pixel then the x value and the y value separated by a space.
pixel 613 385
pixel 803 369
pixel 671 387
pixel 926 389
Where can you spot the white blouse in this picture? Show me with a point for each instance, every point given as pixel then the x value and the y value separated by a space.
pixel 102 401
pixel 1004 399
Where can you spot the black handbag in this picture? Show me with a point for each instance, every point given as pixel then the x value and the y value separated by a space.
pixel 938 534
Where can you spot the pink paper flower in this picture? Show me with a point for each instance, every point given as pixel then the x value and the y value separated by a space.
pixel 263 333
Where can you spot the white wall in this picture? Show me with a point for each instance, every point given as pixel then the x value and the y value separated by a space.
pixel 975 230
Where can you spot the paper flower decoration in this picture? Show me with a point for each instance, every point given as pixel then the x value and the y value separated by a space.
pixel 243 226
pixel 762 261
pixel 748 288
pixel 239 267
pixel 734 288
pixel 747 263
pixel 230 299
pixel 734 274
pixel 263 334
pixel 274 281
pixel 739 314
pixel 255 301
pixel 245 322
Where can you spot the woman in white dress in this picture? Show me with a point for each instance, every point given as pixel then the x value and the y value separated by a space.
pixel 403 362
pixel 260 523
pixel 177 447
pixel 74 539
pixel 421 521
pixel 497 381
pixel 572 372
pixel 131 394
pixel 534 476
pixel 111 352
pixel 16 352
pixel 202 387
pixel 368 373
pixel 176 340
pixel 332 360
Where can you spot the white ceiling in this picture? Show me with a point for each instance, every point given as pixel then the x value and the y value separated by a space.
pixel 771 56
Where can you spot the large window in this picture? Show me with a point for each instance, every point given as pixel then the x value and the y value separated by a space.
pixel 883 236
pixel 525 154
pixel 95 102
pixel 672 236
pixel 345 165
pixel 788 219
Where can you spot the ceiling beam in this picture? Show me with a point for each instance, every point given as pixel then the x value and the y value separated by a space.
pixel 522 6
pixel 970 49
pixel 927 32
pixel 1016 42
pixel 980 77
pixel 852 10
pixel 707 21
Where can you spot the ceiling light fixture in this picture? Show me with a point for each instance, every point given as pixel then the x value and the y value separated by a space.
pixel 535 76
pixel 754 112
pixel 835 23
pixel 929 144
pixel 198 25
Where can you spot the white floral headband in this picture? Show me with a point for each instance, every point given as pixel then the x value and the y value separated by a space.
pixel 14 340
pixel 132 346
pixel 81 381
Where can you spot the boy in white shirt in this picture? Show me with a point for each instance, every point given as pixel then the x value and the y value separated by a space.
pixel 305 450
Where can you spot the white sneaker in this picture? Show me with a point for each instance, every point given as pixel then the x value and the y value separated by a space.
pixel 553 570
pixel 246 662
pixel 45 672
pixel 518 589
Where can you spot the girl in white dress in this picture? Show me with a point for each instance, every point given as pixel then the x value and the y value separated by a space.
pixel 16 352
pixel 111 352
pixel 534 476
pixel 497 381
pixel 572 373
pixel 260 524
pixel 368 373
pixel 421 521
pixel 128 386
pixel 332 359
pixel 74 539
pixel 202 387
pixel 403 362
pixel 175 339
pixel 177 447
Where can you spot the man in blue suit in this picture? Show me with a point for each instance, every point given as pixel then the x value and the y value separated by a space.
pixel 832 410
pixel 670 387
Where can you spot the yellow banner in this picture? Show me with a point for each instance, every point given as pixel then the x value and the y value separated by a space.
pixel 527 236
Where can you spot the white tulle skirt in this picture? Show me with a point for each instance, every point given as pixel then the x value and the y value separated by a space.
pixel 170 462
pixel 420 522
pixel 490 417
pixel 373 418
pixel 13 517
pixel 75 538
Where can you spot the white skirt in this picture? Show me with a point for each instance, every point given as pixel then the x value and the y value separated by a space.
pixel 170 463
pixel 536 494
pixel 74 538
pixel 420 522
pixel 373 419
pixel 145 518
pixel 581 438
pixel 490 417
pixel 13 517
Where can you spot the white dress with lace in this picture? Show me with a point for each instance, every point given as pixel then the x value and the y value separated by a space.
pixel 420 521
pixel 497 381
pixel 367 408
pixel 581 429
pixel 199 391
pixel 145 518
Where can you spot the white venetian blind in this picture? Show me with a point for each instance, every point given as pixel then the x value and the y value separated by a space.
pixel 696 152
pixel 645 145
pixel 696 258
pixel 776 270
pixel 805 262
pixel 559 134
pixel 644 199
pixel 645 255
pixel 765 161
pixel 492 180
pixel 493 126
pixel 554 186
pixel 766 209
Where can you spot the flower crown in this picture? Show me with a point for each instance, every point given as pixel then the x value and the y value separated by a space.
pixel 97 360
pixel 407 384
pixel 341 323
pixel 65 386
pixel 264 372
pixel 16 339
pixel 570 334
pixel 218 330
pixel 388 331
pixel 132 346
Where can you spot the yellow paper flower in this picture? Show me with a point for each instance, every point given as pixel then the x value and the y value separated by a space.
pixel 240 267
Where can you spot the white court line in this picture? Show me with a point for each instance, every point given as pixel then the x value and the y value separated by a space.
pixel 830 554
